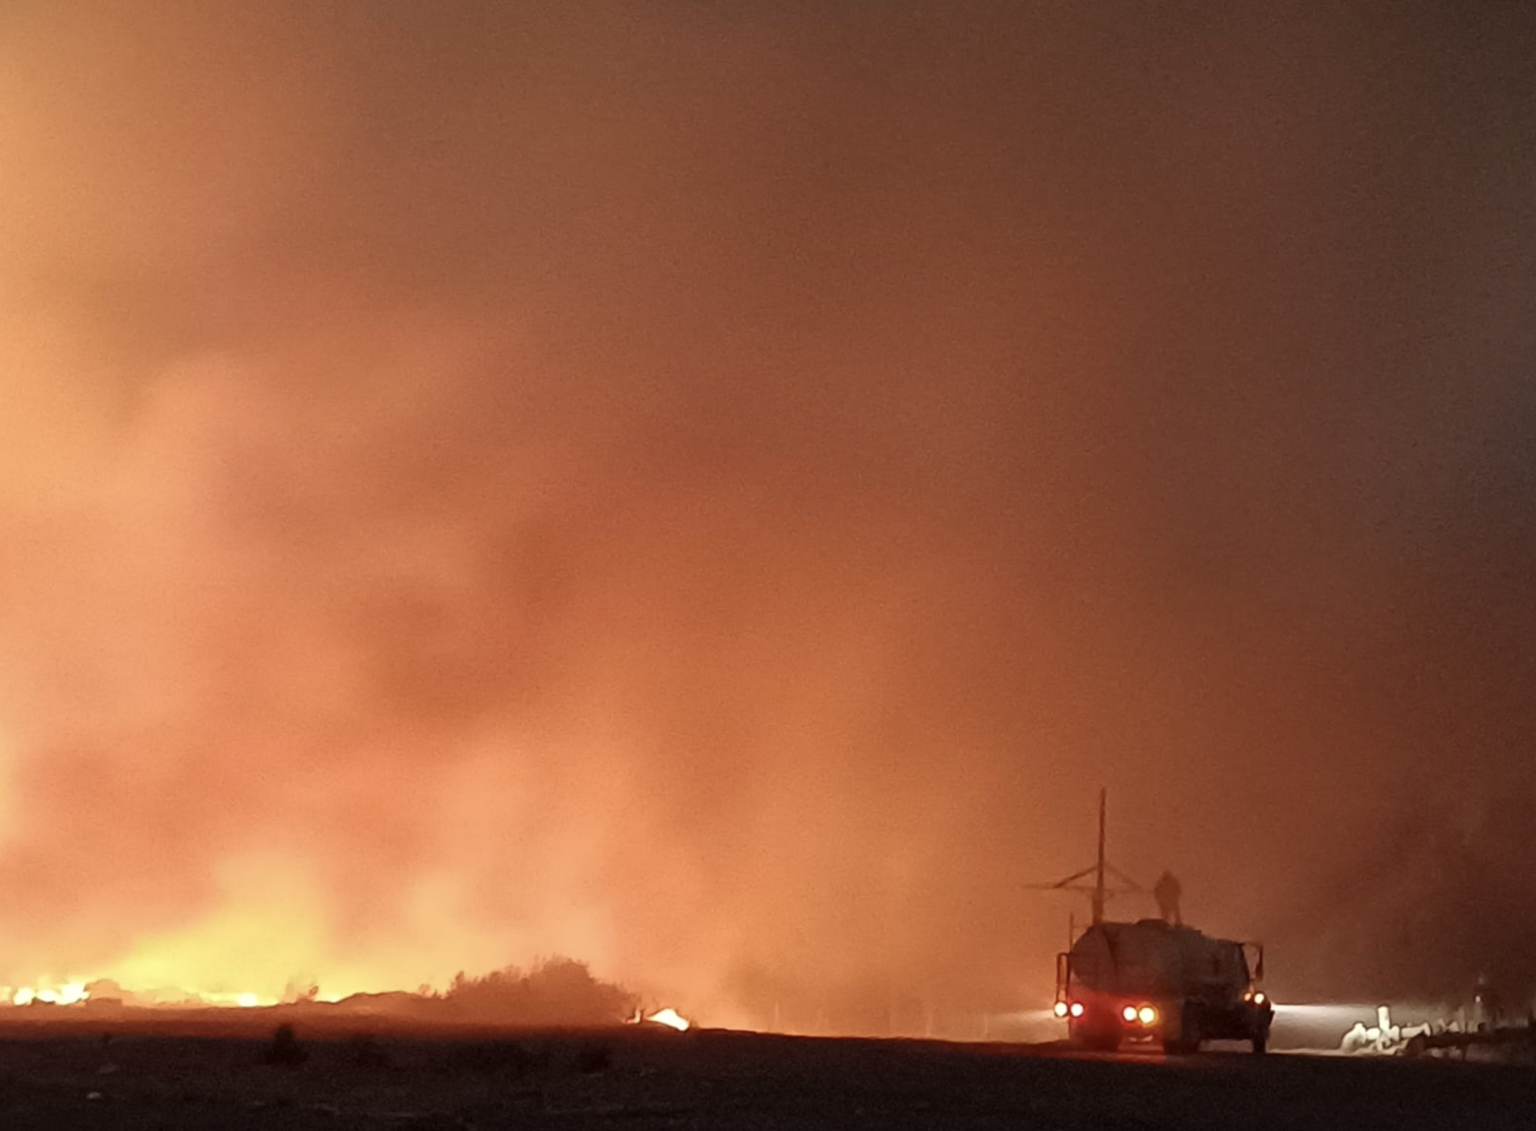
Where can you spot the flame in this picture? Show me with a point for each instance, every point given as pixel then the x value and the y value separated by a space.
pixel 670 1017
pixel 242 1000
pixel 67 993
pixel 75 993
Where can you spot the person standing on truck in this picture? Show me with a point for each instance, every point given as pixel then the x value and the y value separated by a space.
pixel 1167 891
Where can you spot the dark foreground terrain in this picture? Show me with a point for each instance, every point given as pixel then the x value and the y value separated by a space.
pixel 67 1079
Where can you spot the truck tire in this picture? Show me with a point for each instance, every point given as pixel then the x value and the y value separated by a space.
pixel 1187 1039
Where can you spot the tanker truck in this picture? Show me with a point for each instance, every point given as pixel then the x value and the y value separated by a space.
pixel 1152 980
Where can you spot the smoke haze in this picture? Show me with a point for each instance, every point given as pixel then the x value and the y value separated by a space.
pixel 714 490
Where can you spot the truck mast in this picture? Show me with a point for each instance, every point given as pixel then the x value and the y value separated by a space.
pixel 1098 892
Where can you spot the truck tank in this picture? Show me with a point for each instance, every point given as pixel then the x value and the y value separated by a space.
pixel 1154 980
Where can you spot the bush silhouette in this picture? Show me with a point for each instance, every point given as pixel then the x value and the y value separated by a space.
pixel 284 1048
pixel 558 993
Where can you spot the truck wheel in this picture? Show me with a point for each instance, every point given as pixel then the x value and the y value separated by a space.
pixel 1187 1040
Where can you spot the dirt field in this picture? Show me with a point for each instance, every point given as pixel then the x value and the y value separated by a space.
pixel 634 1079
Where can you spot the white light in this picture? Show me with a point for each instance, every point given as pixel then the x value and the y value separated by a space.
pixel 1147 1014
pixel 1077 1009
pixel 1059 1009
pixel 1129 1013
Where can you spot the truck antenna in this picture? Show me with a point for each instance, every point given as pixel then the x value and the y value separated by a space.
pixel 1100 892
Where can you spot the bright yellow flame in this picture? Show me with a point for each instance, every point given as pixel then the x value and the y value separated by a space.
pixel 1129 1013
pixel 67 993
pixel 669 1016
pixel 1147 1014
pixel 72 993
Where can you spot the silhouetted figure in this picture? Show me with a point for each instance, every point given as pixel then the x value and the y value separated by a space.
pixel 1167 891
pixel 285 1048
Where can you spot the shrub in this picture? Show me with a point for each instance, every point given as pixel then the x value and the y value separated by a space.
pixel 558 993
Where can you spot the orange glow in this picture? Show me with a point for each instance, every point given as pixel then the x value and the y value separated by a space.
pixel 1146 1015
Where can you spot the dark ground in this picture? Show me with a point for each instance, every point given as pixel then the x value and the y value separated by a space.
pixel 53 1078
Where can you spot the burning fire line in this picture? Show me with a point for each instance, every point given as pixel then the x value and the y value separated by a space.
pixel 75 993
pixel 67 994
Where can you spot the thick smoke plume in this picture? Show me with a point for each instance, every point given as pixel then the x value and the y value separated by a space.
pixel 713 490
